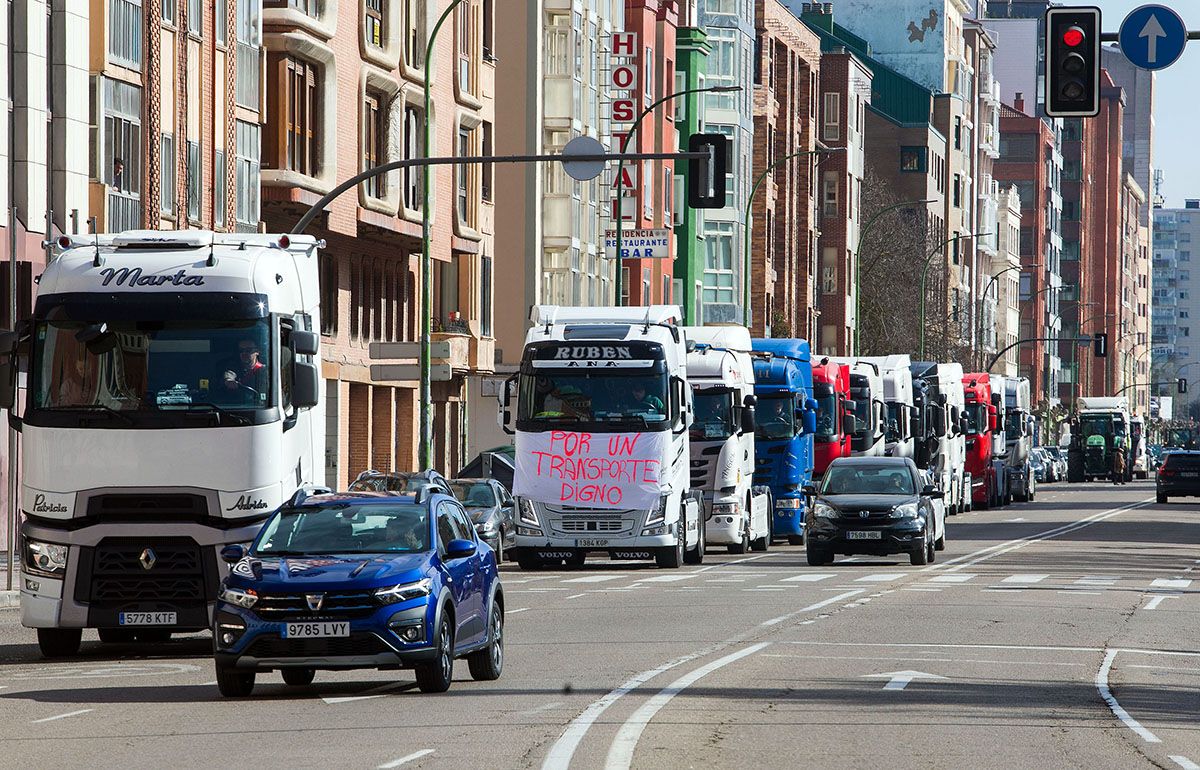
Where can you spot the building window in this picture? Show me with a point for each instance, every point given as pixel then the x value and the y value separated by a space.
pixel 295 103
pixel 168 11
pixel 195 19
pixel 248 33
pixel 831 117
pixel 829 194
pixel 373 22
pixel 249 158
pixel 220 189
pixel 307 7
pixel 489 30
pixel 374 132
pixel 118 152
pixel 958 127
pixel 486 170
pixel 125 31
pixel 222 22
pixel 166 194
pixel 463 178
pixel 913 160
pixel 414 142
pixel 328 268
pixel 414 22
pixel 957 191
pixel 718 263
pixel 195 173
pixel 464 37
pixel 485 296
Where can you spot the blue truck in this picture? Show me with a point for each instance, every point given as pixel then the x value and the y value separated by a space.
pixel 786 425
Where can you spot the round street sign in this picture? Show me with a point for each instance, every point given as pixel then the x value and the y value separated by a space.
pixel 583 170
pixel 1153 37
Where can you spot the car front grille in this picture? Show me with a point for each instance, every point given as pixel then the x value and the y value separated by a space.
pixel 355 644
pixel 359 604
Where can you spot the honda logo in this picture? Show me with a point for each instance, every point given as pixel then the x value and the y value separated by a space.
pixel 315 601
pixel 147 559
pixel 864 514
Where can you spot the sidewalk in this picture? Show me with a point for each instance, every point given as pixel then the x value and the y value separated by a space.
pixel 10 599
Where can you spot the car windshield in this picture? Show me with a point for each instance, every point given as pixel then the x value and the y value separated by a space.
pixel 855 479
pixel 345 528
pixel 132 366
pixel 713 414
pixel 474 494
pixel 565 396
pixel 826 414
pixel 775 417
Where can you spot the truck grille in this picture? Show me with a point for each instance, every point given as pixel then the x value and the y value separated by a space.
pixel 702 473
pixel 337 606
pixel 127 507
pixel 355 644
pixel 593 522
pixel 136 570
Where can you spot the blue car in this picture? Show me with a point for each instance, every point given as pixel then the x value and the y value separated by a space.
pixel 360 580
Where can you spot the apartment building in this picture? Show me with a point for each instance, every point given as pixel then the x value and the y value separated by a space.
pixel 691 66
pixel 984 127
pixel 337 104
pixel 783 245
pixel 1002 292
pixel 1177 351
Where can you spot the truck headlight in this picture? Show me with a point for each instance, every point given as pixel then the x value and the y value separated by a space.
pixel 404 591
pixel 526 514
pixel 659 514
pixel 792 502
pixel 823 511
pixel 906 511
pixel 236 596
pixel 726 509
pixel 49 559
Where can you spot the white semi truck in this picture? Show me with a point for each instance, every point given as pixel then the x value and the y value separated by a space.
pixel 173 402
pixel 602 415
pixel 943 402
pixel 1018 437
pixel 899 438
pixel 870 408
pixel 721 374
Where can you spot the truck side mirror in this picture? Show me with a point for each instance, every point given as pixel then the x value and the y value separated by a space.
pixel 750 400
pixel 748 421
pixel 849 424
pixel 914 424
pixel 306 385
pixel 505 398
pixel 808 421
pixel 939 422
pixel 964 424
pixel 993 418
pixel 8 369
pixel 304 343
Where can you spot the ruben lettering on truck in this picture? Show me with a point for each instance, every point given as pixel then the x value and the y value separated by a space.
pixel 132 276
pixel 593 352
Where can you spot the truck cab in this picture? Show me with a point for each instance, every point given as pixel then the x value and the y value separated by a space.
pixel 784 446
pixel 866 390
pixel 173 403
pixel 982 424
pixel 721 373
pixel 1018 437
pixel 899 439
pixel 602 448
pixel 941 412
pixel 1140 464
pixel 835 414
pixel 1102 426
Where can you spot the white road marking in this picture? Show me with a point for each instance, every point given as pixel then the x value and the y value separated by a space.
pixel 959 577
pixel 61 716
pixel 1014 521
pixel 374 692
pixel 898 680
pixel 205 684
pixel 725 580
pixel 1165 583
pixel 405 760
pixel 1118 712
pixel 880 577
pixel 811 608
pixel 620 754
pixel 514 612
pixel 1157 600
pixel 919 589
pixel 809 577
pixel 1024 579
pixel 765 588
pixel 666 578
pixel 1184 762
pixel 1097 580
pixel 1078 592
pixel 575 596
pixel 730 563
pixel 595 578
pixel 538 590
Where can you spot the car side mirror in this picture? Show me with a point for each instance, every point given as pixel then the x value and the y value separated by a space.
pixel 461 549
pixel 232 554
pixel 809 490
pixel 306 385
pixel 304 343
pixel 932 492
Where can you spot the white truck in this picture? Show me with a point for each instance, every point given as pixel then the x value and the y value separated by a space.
pixel 1018 437
pixel 1102 426
pixel 721 373
pixel 1140 462
pixel 603 409
pixel 173 402
pixel 899 438
pixel 999 439
pixel 943 404
pixel 870 408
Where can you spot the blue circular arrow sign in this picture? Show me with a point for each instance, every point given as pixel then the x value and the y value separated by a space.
pixel 1153 37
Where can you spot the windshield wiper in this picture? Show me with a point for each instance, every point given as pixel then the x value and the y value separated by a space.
pixel 217 410
pixel 96 408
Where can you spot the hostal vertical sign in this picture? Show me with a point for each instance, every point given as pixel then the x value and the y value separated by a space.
pixel 624 96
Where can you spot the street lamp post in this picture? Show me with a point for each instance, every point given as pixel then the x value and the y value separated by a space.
pixel 746 220
pixel 924 276
pixel 862 236
pixel 620 214
pixel 979 323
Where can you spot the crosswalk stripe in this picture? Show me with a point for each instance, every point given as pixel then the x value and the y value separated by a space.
pixel 1168 583
pixel 1025 579
pixel 957 577
pixel 882 577
pixel 665 578
pixel 594 578
pixel 1096 580
pixel 809 577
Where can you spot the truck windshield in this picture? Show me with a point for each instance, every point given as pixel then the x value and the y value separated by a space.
pixel 555 397
pixel 1096 425
pixel 345 528
pixel 776 417
pixel 977 418
pixel 1012 425
pixel 826 413
pixel 895 425
pixel 130 366
pixel 714 414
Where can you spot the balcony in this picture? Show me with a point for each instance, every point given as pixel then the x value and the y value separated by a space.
pixel 124 212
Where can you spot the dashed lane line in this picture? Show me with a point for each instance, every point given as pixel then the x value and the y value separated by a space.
pixel 1184 762
pixel 60 716
pixel 406 759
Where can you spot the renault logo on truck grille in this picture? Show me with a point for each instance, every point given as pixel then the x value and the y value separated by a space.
pixel 315 601
pixel 147 559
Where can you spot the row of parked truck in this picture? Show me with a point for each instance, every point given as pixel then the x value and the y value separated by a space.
pixel 643 438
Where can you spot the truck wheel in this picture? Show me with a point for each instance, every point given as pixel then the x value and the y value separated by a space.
pixel 1161 498
pixel 743 546
pixel 233 683
pixel 528 562
pixel 795 539
pixel 671 557
pixel 299 677
pixel 696 555
pixel 59 642
pixel 763 543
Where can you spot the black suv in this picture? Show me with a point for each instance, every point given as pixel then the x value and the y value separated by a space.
pixel 1179 476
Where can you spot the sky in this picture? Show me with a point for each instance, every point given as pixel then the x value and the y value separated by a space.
pixel 1176 102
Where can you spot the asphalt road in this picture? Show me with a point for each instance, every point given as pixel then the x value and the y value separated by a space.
pixel 1062 633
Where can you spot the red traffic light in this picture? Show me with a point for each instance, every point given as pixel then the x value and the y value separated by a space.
pixel 1073 37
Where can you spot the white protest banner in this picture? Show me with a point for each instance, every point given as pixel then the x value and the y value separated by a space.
pixel 590 470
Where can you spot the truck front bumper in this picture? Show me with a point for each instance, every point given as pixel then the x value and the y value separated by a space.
pixel 725 521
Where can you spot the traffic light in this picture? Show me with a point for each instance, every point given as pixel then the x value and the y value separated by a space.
pixel 1100 345
pixel 708 178
pixel 1181 386
pixel 1072 62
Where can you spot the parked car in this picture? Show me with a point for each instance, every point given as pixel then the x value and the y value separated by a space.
pixel 1060 461
pixel 360 580
pixel 1042 468
pixel 397 481
pixel 1179 476
pixel 877 506
pixel 490 507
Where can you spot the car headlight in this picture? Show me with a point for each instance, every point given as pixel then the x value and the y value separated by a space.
pixel 792 502
pixel 487 527
pixel 906 511
pixel 237 596
pixel 404 591
pixel 526 514
pixel 823 511
pixel 47 559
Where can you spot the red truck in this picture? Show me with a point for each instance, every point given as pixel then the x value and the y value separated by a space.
pixel 835 414
pixel 983 419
